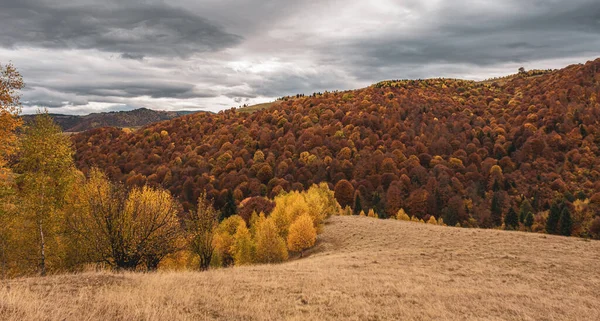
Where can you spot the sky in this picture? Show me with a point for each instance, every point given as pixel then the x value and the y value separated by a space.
pixel 85 56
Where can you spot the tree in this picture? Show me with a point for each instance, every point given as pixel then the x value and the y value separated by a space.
pixel 156 228
pixel 357 204
pixel 45 169
pixel 511 220
pixel 230 208
pixel 270 246
pixel 432 220
pixel 123 228
pixel 529 220
pixel 302 234
pixel 496 209
pixel 401 215
pixel 553 218
pixel 11 83
pixel 224 240
pixel 244 248
pixel 201 227
pixel 344 193
pixel 524 209
pixel 565 222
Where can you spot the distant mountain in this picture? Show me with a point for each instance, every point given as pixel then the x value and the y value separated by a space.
pixel 133 118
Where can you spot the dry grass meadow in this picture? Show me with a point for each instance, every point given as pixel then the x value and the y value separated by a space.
pixel 361 269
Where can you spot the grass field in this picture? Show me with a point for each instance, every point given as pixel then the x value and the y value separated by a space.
pixel 361 269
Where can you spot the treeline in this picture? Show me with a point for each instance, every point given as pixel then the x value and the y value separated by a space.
pixel 471 153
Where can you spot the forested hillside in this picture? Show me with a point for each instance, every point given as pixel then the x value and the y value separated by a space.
pixel 132 118
pixel 522 152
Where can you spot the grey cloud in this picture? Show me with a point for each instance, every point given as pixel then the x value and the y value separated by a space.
pixel 542 30
pixel 131 28
pixel 113 54
pixel 132 56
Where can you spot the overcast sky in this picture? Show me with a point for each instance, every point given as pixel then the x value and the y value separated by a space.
pixel 86 56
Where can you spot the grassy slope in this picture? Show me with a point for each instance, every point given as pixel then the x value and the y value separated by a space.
pixel 362 269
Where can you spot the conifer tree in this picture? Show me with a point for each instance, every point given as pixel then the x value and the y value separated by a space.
pixel 553 218
pixel 496 210
pixel 565 222
pixel 432 220
pixel 529 220
pixel 524 209
pixel 357 204
pixel 511 220
pixel 230 207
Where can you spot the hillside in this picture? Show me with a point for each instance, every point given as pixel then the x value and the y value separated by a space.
pixel 466 151
pixel 126 119
pixel 361 269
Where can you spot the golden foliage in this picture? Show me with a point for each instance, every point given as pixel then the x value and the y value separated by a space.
pixel 401 215
pixel 302 234
pixel 270 246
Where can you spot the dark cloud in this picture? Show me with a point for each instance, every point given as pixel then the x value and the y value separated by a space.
pixel 132 28
pixel 530 31
pixel 100 55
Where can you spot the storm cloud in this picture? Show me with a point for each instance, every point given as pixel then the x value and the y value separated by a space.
pixel 89 56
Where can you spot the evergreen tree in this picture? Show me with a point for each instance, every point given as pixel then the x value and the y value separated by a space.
pixel 524 209
pixel 357 204
pixel 565 222
pixel 230 208
pixel 511 220
pixel 496 210
pixel 529 220
pixel 553 218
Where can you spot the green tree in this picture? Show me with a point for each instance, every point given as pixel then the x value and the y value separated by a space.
pixel 524 209
pixel 496 209
pixel 528 220
pixel 511 220
pixel 45 169
pixel 230 208
pixel 553 218
pixel 565 222
pixel 357 204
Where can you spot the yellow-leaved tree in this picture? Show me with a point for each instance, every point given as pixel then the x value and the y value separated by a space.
pixel 45 172
pixel 401 215
pixel 122 228
pixel 270 246
pixel 302 234
pixel 10 84
pixel 244 248
pixel 224 240
pixel 201 227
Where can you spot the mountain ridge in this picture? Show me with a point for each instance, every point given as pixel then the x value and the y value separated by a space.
pixel 131 118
